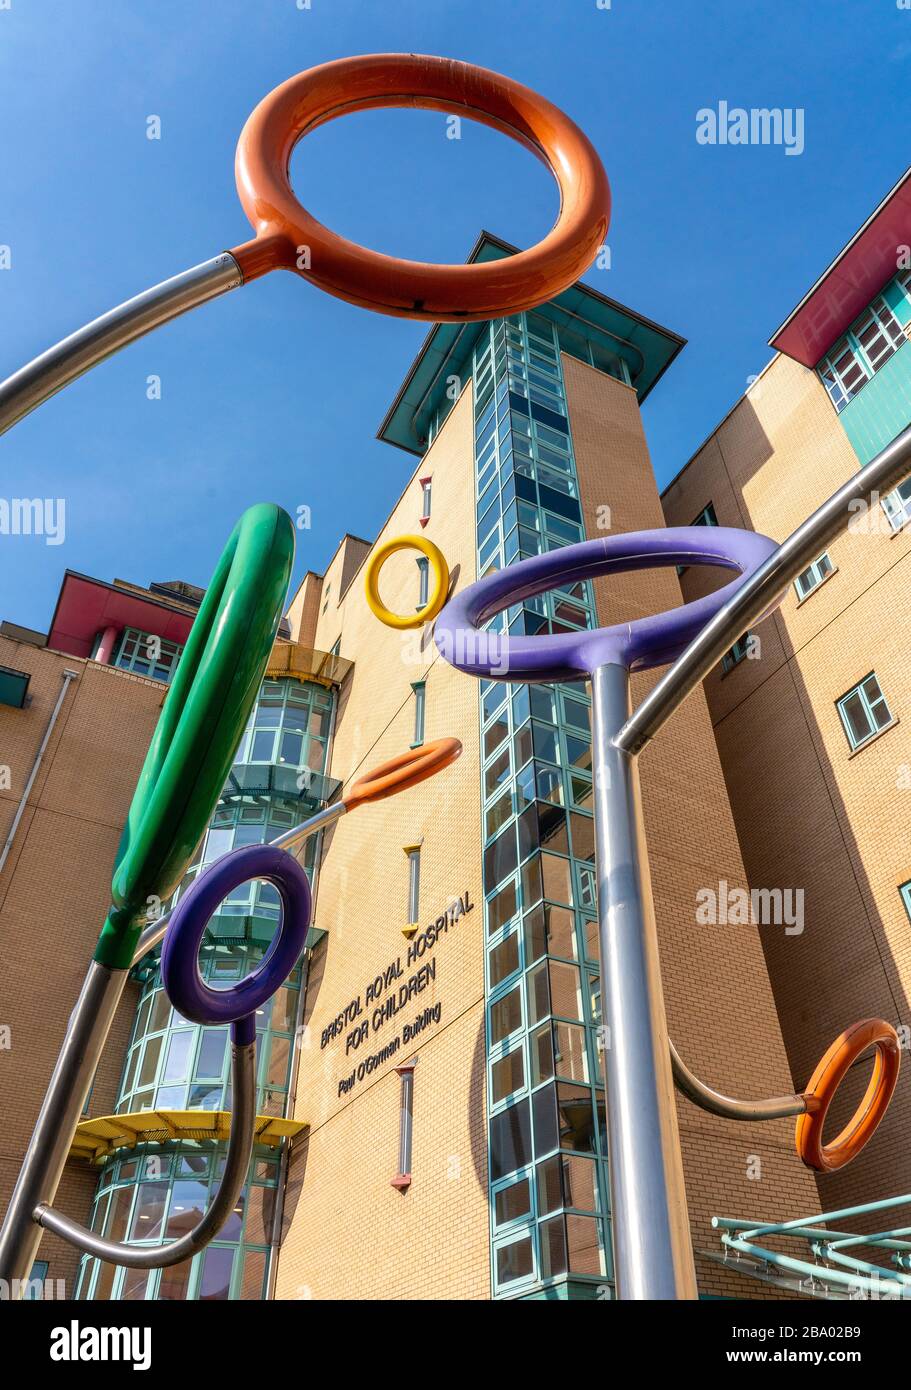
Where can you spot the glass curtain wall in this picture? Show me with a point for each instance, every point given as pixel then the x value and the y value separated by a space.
pixel 547 1144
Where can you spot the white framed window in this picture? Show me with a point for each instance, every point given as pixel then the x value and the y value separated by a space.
pixel 897 505
pixel 426 498
pixel 867 345
pixel 864 711
pixel 413 907
pixel 813 576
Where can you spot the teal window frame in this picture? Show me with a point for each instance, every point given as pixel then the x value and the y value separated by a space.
pixel 905 888
pixel 413 901
pixel 202 1163
pixel 423 565
pixel 13 687
pixel 739 652
pixel 132 655
pixel 814 574
pixel 420 708
pixel 706 517
pixel 285 711
pixel 872 705
pixel 536 794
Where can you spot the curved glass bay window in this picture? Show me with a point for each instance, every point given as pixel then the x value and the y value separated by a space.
pixel 159 1191
pixel 548 1174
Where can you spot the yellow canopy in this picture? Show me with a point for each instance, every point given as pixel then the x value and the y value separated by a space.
pixel 97 1138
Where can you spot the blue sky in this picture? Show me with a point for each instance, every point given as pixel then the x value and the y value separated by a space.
pixel 275 392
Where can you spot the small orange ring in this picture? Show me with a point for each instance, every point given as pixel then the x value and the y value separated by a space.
pixel 289 237
pixel 828 1076
pixel 403 771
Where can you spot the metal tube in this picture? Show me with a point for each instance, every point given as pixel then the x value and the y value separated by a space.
pixel 652 1250
pixel 775 1108
pixel 44 376
pixel 783 1227
pixel 823 1273
pixel 290 840
pixel 756 594
pixel 237 1164
pixel 86 1034
pixel 61 1108
pixel 20 809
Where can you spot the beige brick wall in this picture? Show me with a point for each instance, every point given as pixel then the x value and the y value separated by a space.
pixel 351 1234
pixel 808 814
pixel 56 888
pixel 721 1012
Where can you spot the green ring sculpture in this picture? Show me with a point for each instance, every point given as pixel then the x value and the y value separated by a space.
pixel 204 716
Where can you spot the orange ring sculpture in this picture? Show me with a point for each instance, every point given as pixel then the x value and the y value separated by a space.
pixel 288 237
pixel 403 771
pixel 828 1076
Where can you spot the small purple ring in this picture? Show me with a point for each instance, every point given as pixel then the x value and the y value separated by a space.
pixel 179 954
pixel 567 656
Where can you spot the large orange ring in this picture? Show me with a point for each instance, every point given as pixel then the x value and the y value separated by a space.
pixel 403 771
pixel 413 289
pixel 870 1032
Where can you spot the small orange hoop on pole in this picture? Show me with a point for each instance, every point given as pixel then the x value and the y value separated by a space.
pixel 290 238
pixel 825 1081
pixel 403 771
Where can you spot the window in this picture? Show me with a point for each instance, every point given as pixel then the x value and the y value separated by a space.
pixel 813 576
pixel 897 505
pixel 145 654
pixel 706 517
pixel 326 592
pixel 414 882
pixel 34 1288
pixel 423 581
pixel 426 488
pixel 402 1180
pixel 905 889
pixel 864 711
pixel 861 352
pixel 739 652
pixel 420 699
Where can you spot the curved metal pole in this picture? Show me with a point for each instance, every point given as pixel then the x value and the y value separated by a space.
pixel 237 1164
pixel 758 592
pixel 47 374
pixel 775 1108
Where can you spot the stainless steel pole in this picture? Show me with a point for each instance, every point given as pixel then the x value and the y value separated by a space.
pixel 47 374
pixel 652 1249
pixel 61 1108
pixel 757 593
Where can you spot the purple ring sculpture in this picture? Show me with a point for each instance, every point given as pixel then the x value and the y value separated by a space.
pixel 568 656
pixel 179 969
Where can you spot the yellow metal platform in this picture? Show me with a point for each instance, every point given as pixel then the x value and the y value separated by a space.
pixel 96 1139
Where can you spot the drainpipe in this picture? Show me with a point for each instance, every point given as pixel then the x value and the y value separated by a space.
pixel 106 646
pixel 20 809
pixel 291 1099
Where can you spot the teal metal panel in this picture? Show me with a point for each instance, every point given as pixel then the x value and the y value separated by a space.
pixel 882 409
